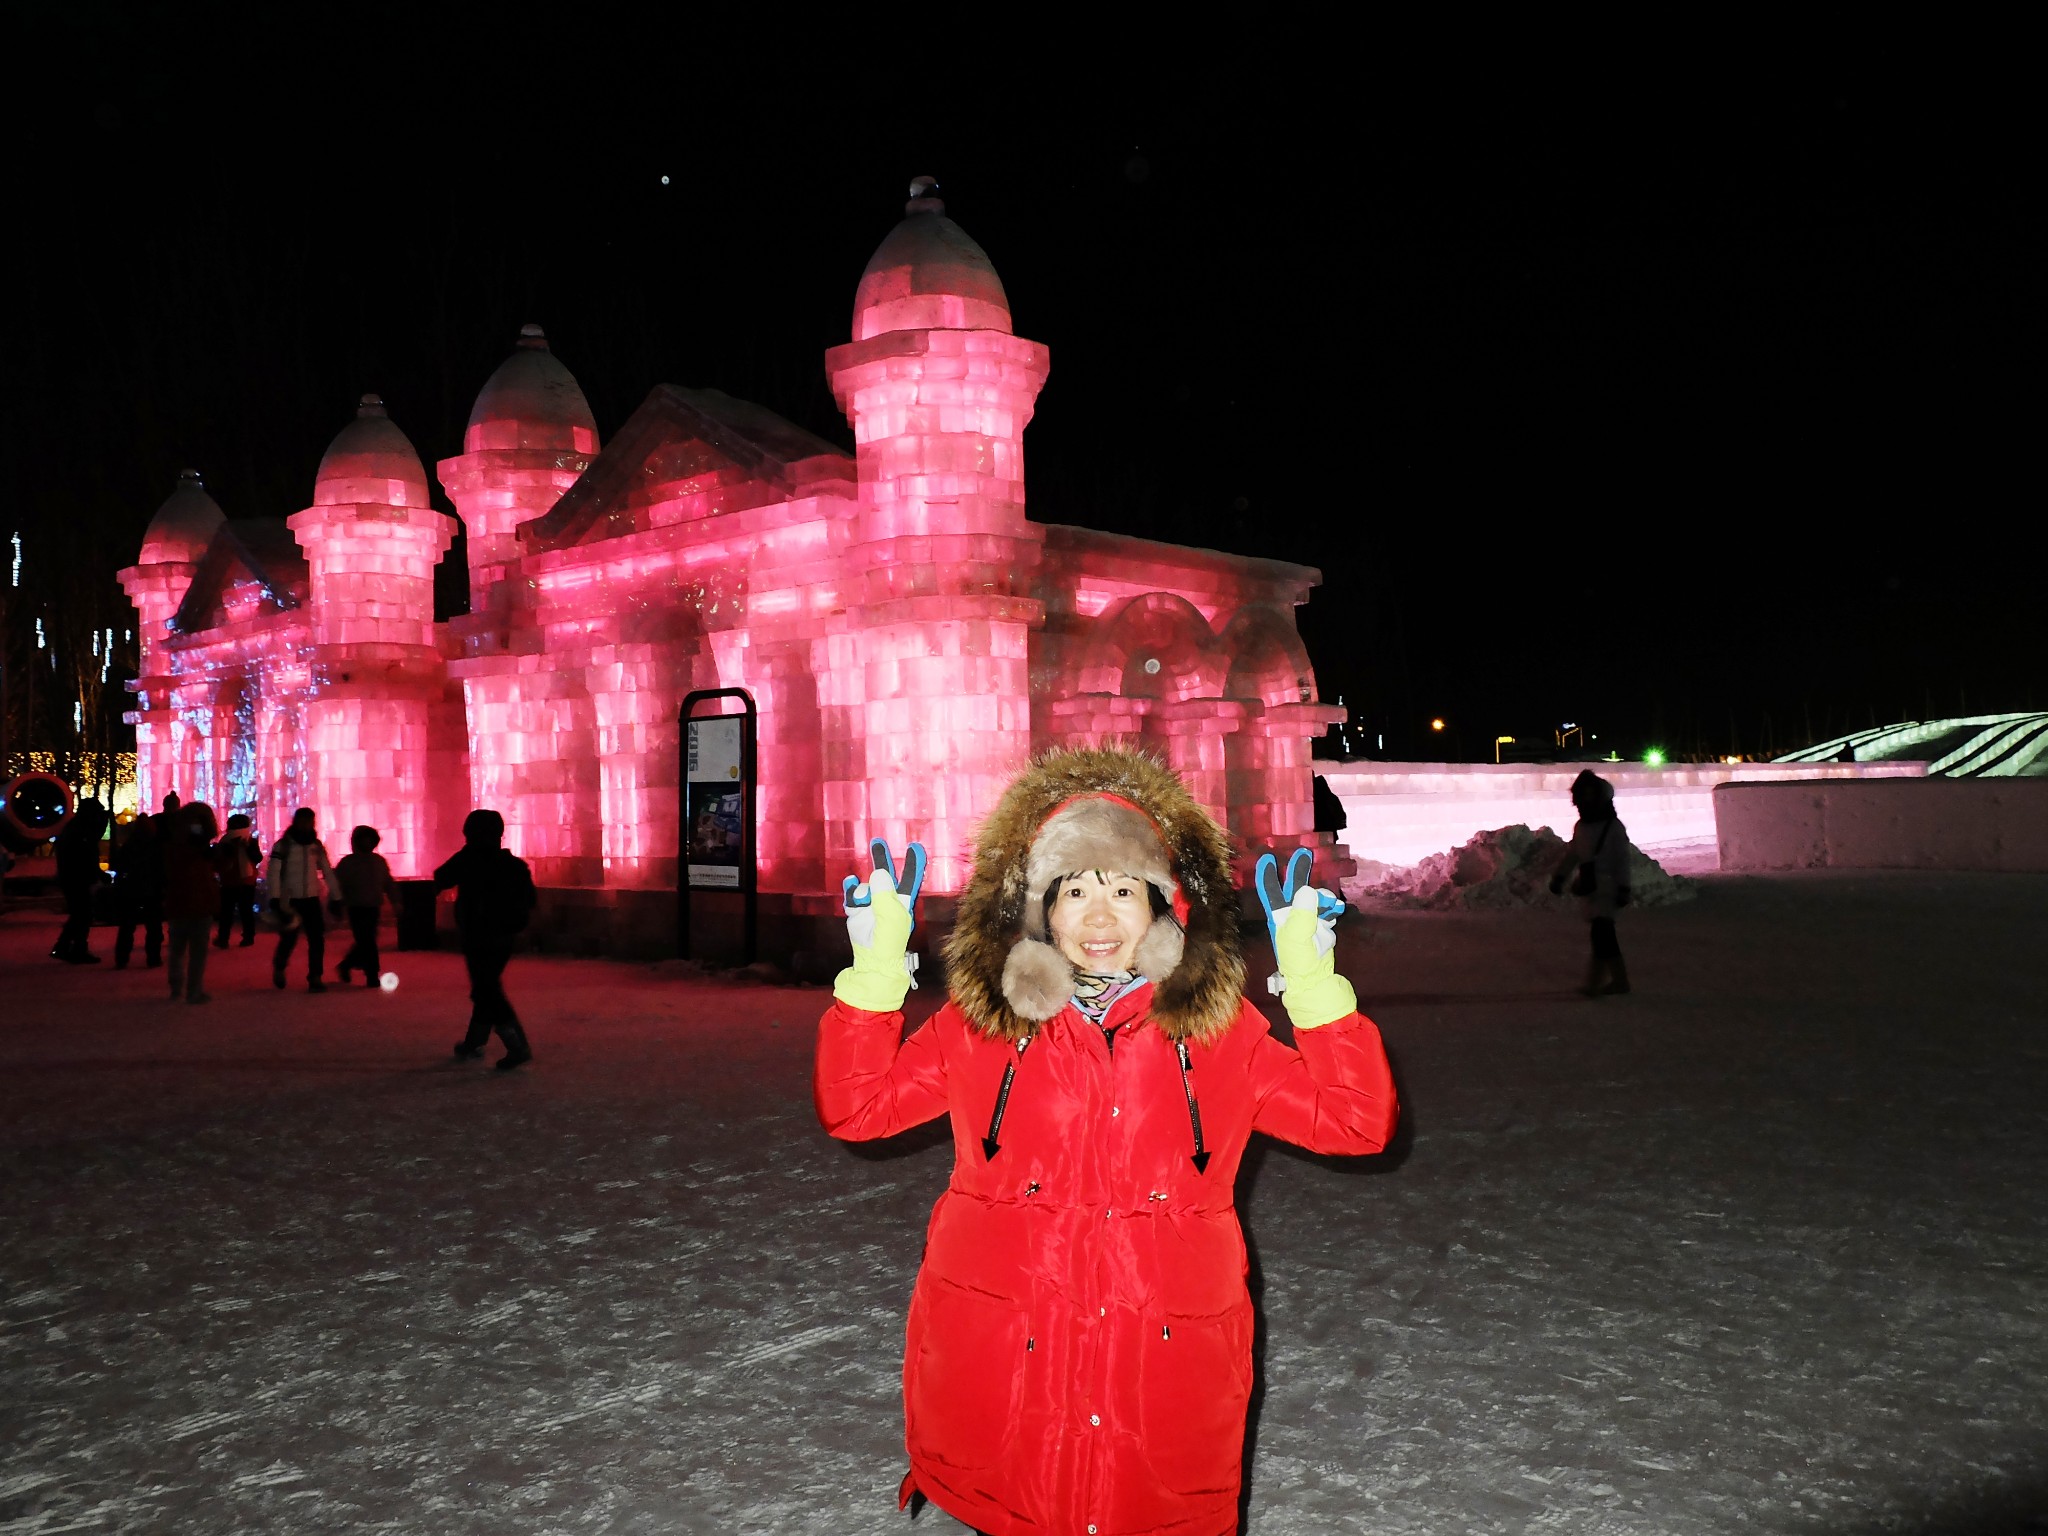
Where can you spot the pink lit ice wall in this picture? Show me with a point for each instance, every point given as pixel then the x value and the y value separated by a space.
pixel 909 634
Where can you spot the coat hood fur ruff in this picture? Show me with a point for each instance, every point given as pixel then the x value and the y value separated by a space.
pixel 1055 820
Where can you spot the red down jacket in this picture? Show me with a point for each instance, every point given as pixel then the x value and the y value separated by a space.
pixel 1079 1351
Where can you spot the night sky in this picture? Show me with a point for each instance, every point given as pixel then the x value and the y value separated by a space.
pixel 1696 403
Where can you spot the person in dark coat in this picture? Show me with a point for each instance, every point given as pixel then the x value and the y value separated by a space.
pixel 191 895
pixel 494 898
pixel 1595 864
pixel 78 871
pixel 235 859
pixel 138 869
pixel 365 883
pixel 1079 1350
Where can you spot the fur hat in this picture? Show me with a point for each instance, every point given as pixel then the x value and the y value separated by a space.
pixel 1097 808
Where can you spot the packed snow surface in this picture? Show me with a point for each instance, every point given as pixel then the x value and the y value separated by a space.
pixel 1507 867
pixel 1757 1249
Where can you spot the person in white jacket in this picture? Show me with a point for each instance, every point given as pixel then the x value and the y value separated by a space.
pixel 1596 865
pixel 302 887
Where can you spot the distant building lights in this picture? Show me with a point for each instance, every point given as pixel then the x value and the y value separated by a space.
pixel 41 642
pixel 78 716
pixel 17 560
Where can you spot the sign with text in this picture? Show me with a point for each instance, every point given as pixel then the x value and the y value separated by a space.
pixel 714 802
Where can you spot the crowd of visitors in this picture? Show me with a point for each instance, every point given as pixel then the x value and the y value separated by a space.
pixel 178 873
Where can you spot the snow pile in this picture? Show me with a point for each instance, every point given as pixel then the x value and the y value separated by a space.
pixel 1508 867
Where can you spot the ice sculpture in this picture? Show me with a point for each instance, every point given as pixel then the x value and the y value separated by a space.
pixel 910 635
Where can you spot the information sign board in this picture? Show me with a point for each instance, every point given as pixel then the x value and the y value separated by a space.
pixel 715 802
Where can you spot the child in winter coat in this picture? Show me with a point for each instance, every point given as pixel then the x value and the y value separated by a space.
pixel 1079 1351
pixel 365 883
pixel 137 865
pixel 1595 864
pixel 235 858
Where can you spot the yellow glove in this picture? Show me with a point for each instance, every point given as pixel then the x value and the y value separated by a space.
pixel 878 922
pixel 1305 944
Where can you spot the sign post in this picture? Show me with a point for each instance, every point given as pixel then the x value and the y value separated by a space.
pixel 715 833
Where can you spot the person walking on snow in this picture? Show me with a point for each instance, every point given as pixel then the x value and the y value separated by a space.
pixel 365 882
pixel 1079 1340
pixel 302 888
pixel 191 894
pixel 1595 863
pixel 236 856
pixel 494 899
pixel 78 871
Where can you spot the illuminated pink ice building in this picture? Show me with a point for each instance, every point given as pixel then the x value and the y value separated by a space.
pixel 909 634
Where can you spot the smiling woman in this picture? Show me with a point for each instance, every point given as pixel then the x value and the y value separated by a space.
pixel 1079 1352
pixel 1098 919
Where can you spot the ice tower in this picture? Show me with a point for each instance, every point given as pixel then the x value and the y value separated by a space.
pixel 532 743
pixel 172 548
pixel 925 700
pixel 371 541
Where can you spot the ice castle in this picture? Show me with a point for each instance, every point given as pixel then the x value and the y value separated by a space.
pixel 909 634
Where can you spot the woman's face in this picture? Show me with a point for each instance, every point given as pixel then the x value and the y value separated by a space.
pixel 1098 918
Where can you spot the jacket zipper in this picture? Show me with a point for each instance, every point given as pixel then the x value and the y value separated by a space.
pixel 1200 1157
pixel 990 1146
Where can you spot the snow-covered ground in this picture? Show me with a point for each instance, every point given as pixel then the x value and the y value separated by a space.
pixel 1759 1248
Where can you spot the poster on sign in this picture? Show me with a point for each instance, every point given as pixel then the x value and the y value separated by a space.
pixel 715 802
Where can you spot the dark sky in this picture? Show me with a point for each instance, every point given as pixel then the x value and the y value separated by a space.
pixel 1696 402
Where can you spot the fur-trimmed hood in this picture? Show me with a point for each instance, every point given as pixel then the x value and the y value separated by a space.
pixel 1097 808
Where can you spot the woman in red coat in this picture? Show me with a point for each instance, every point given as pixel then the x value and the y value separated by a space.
pixel 1079 1351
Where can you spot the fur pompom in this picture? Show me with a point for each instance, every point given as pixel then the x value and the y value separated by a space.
pixel 1159 952
pixel 1037 980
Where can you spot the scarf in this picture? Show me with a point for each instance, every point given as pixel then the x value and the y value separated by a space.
pixel 1095 993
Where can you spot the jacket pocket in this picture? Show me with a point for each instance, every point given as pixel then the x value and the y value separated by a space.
pixel 963 1374
pixel 1197 1378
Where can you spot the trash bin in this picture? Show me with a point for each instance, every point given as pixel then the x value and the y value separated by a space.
pixel 416 899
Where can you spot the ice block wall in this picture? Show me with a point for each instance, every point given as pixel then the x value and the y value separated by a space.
pixel 1193 655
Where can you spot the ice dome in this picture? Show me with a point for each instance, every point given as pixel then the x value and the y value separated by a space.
pixel 183 526
pixel 371 461
pixel 928 274
pixel 532 401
